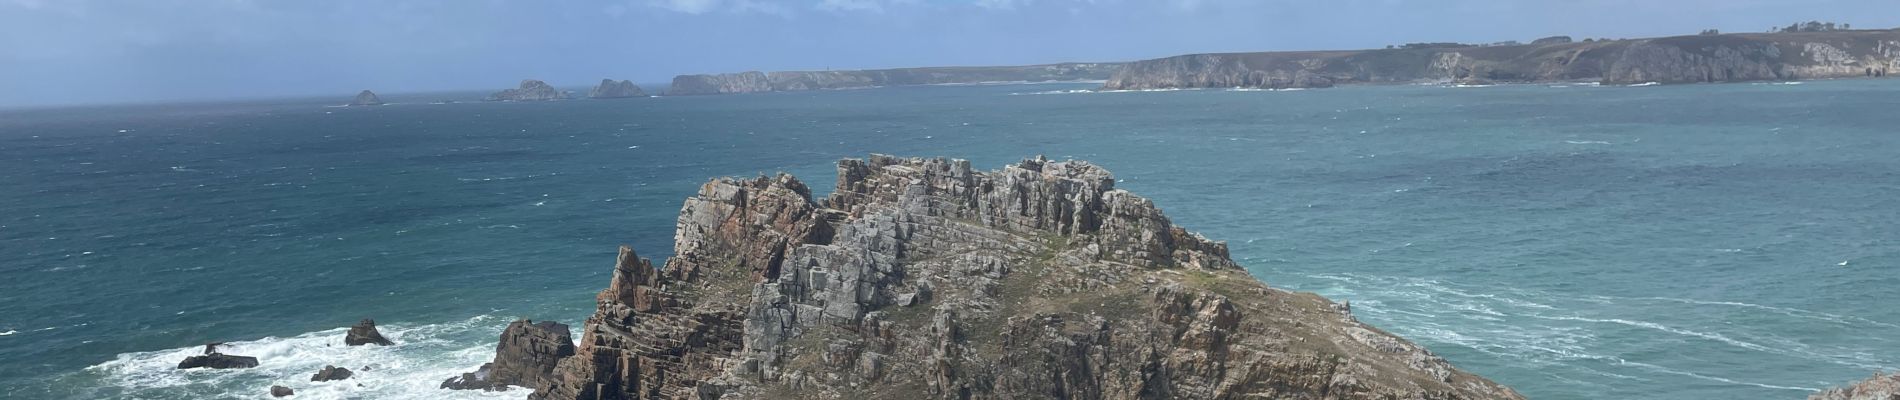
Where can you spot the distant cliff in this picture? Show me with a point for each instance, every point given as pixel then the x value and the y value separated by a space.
pixel 754 81
pixel 1679 59
pixel 610 89
pixel 530 90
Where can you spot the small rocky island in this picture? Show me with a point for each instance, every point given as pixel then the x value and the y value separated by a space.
pixel 529 90
pixel 611 89
pixel 366 98
pixel 922 278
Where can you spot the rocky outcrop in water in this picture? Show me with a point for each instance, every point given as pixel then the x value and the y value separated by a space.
pixel 280 391
pixel 922 278
pixel 218 361
pixel 754 81
pixel 365 332
pixel 530 90
pixel 331 373
pixel 1879 387
pixel 1680 59
pixel 610 89
pixel 366 98
pixel 525 356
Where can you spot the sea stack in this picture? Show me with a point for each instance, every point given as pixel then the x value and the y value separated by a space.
pixel 610 89
pixel 525 357
pixel 366 98
pixel 529 90
pixel 922 278
pixel 331 373
pixel 365 333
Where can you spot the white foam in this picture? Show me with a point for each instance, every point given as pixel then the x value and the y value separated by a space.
pixel 1645 84
pixel 1586 142
pixel 414 368
pixel 9 332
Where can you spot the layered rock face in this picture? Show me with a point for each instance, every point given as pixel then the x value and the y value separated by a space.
pixel 366 98
pixel 752 82
pixel 1681 59
pixel 1879 387
pixel 525 357
pixel 609 89
pixel 530 90
pixel 921 278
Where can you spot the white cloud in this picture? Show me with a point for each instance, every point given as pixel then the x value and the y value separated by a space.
pixel 734 6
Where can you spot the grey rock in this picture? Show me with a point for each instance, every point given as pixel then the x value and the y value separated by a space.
pixel 529 90
pixel 610 89
pixel 1880 387
pixel 364 332
pixel 331 373
pixel 525 356
pixel 217 361
pixel 366 98
pixel 280 391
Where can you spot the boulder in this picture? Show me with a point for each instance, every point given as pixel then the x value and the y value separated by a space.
pixel 365 333
pixel 331 373
pixel 217 361
pixel 366 98
pixel 280 391
pixel 525 356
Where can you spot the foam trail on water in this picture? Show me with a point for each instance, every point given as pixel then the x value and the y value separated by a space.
pixel 422 358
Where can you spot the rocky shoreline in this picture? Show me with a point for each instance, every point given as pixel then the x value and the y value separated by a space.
pixel 1679 59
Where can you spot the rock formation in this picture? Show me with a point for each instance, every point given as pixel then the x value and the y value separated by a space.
pixel 217 361
pixel 331 373
pixel 525 356
pixel 922 278
pixel 754 81
pixel 530 90
pixel 1679 59
pixel 366 98
pixel 280 391
pixel 365 333
pixel 609 89
pixel 1879 387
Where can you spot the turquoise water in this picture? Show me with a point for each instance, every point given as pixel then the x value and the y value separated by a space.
pixel 1670 242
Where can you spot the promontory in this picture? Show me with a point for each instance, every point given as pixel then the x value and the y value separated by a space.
pixel 922 278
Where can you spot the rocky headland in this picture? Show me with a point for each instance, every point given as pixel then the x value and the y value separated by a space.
pixel 780 81
pixel 1880 387
pixel 611 89
pixel 1678 59
pixel 529 90
pixel 366 98
pixel 923 278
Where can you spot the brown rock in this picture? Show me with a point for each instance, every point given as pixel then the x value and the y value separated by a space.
pixel 525 356
pixel 331 373
pixel 1879 387
pixel 363 333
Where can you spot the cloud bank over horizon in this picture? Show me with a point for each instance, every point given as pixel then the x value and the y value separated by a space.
pixel 56 52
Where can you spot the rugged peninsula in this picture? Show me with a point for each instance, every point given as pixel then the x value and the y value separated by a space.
pixel 529 90
pixel 366 98
pixel 922 278
pixel 754 81
pixel 1679 59
pixel 610 89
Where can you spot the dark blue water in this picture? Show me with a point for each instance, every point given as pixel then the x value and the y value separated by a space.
pixel 1672 242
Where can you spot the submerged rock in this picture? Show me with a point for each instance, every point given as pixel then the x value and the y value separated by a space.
pixel 529 90
pixel 217 361
pixel 609 89
pixel 365 333
pixel 1879 387
pixel 280 391
pixel 922 278
pixel 366 98
pixel 525 356
pixel 331 373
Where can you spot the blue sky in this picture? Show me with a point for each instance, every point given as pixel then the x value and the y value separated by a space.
pixel 109 51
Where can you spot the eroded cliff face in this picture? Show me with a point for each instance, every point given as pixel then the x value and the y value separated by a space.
pixel 921 278
pixel 779 81
pixel 1681 59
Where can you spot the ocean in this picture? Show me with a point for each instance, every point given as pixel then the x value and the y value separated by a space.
pixel 1570 241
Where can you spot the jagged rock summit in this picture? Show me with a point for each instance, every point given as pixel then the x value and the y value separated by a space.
pixel 1880 387
pixel 366 98
pixel 921 278
pixel 610 89
pixel 529 90
pixel 331 373
pixel 365 332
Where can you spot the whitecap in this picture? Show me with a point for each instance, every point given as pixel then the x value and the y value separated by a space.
pixel 9 332
pixel 1586 142
pixel 1644 84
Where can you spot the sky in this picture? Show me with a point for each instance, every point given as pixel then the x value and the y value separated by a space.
pixel 61 52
